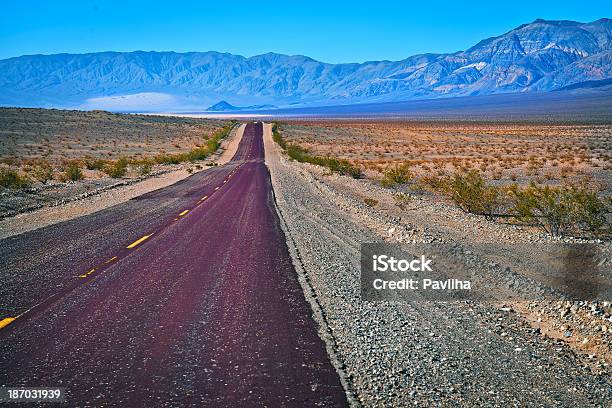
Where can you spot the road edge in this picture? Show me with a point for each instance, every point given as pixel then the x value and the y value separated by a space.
pixel 310 295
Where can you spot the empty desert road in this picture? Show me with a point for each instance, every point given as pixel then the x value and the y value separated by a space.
pixel 185 296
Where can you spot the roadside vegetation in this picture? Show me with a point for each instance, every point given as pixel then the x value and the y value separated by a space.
pixel 571 208
pixel 10 178
pixel 297 153
pixel 399 174
pixel 551 176
pixel 73 172
pixel 16 174
pixel 200 152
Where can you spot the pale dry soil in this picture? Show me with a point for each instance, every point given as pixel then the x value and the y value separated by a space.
pixel 504 152
pixel 58 135
pixel 426 353
pixel 51 214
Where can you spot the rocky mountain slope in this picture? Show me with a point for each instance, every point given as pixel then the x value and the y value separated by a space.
pixel 539 56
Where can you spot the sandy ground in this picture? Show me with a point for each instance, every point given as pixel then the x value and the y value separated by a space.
pixel 51 215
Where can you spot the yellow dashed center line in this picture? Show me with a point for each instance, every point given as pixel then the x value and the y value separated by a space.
pixel 6 321
pixel 88 273
pixel 138 241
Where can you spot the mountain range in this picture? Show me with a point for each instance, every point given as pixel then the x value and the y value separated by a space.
pixel 224 106
pixel 540 56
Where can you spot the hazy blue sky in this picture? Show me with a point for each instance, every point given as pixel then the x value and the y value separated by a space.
pixel 330 31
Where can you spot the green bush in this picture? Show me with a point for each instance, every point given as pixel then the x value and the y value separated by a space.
pixel 560 210
pixel 340 166
pixel 169 159
pixel 145 168
pixel 400 174
pixel 117 169
pixel 73 172
pixel 43 172
pixel 472 194
pixel 95 164
pixel 276 136
pixel 199 153
pixel 12 179
pixel 432 183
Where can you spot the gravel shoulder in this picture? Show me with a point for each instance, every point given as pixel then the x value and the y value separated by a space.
pixel 110 195
pixel 423 353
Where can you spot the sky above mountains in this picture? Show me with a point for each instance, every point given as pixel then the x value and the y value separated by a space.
pixel 540 56
pixel 330 31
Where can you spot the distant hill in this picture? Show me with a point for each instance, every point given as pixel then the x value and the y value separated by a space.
pixel 224 106
pixel 540 56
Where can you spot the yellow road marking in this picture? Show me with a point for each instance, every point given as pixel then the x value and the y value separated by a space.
pixel 216 188
pixel 111 260
pixel 203 198
pixel 6 321
pixel 183 213
pixel 138 241
pixel 88 273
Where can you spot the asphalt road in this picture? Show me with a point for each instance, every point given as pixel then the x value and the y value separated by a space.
pixel 185 296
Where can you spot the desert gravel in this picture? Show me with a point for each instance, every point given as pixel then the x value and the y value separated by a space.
pixel 421 353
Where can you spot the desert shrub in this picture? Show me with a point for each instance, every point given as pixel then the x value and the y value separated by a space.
pixel 298 153
pixel 10 178
pixel 144 168
pixel 432 183
pixel 473 194
pixel 169 159
pixel 340 166
pixel 400 174
pixel 213 144
pixel 73 172
pixel 95 164
pixel 117 169
pixel 370 202
pixel 560 210
pixel 198 153
pixel 401 200
pixel 276 136
pixel 42 172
